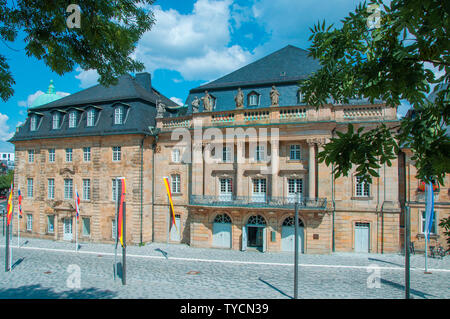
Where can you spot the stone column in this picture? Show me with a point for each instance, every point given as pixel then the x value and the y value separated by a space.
pixel 311 170
pixel 240 162
pixel 274 167
pixel 197 169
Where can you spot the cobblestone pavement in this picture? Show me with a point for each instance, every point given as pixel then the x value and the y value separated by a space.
pixel 41 270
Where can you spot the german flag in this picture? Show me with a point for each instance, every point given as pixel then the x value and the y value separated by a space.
pixel 9 206
pixel 122 209
pixel 169 193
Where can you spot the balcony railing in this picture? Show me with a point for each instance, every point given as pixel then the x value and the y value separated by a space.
pixel 249 201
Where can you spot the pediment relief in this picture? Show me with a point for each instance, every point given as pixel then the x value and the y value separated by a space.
pixel 62 205
pixel 66 172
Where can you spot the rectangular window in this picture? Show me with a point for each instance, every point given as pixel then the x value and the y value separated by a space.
pixel 51 188
pixel 51 155
pixel 176 183
pixel 294 153
pixel 86 189
pixel 33 123
pixel 91 118
pixel 86 227
pixel 175 155
pixel 253 100
pixel 259 190
pixel 114 189
pixel 30 156
pixel 226 154
pixel 55 123
pixel 362 188
pixel 86 154
pixel 118 115
pixel 423 221
pixel 116 154
pixel 72 119
pixel 226 189
pixel 295 185
pixel 68 188
pixel 113 229
pixel 259 153
pixel 50 224
pixel 68 155
pixel 30 188
pixel 29 222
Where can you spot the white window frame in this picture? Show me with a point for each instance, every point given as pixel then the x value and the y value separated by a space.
pixel 176 158
pixel 259 189
pixel 51 155
pixel 259 153
pixel 30 188
pixel 175 181
pixel 225 189
pixel 69 155
pixel 33 123
pixel 30 156
pixel 226 154
pixel 68 188
pixel 84 233
pixel 51 188
pixel 86 154
pixel 253 99
pixel 423 220
pixel 29 222
pixel 295 152
pixel 116 153
pixel 118 115
pixel 90 118
pixel 294 185
pixel 56 121
pixel 114 229
pixel 114 189
pixel 72 119
pixel 86 189
pixel 361 189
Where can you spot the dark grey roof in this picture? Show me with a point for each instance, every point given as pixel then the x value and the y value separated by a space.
pixel 138 102
pixel 289 64
pixel 126 88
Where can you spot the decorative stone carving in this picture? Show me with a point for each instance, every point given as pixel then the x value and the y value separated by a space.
pixel 160 108
pixel 274 96
pixel 195 104
pixel 239 98
pixel 207 102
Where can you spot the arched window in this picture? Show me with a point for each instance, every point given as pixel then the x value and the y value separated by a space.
pixel 291 222
pixel 118 115
pixel 224 219
pixel 256 220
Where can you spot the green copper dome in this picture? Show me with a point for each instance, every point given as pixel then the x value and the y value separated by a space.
pixel 46 98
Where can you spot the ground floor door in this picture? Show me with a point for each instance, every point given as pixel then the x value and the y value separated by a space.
pixel 67 229
pixel 362 237
pixel 222 235
pixel 288 238
pixel 256 237
pixel 175 231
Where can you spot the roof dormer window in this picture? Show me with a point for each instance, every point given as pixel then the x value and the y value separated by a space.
pixel 56 121
pixel 300 97
pixel 118 115
pixel 253 99
pixel 33 123
pixel 72 119
pixel 90 118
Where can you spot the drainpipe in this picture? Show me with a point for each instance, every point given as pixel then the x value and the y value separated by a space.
pixel 141 183
pixel 333 200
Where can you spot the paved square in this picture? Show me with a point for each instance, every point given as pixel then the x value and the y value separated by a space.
pixel 42 269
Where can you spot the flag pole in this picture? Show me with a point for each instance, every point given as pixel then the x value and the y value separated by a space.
pixel 76 219
pixel 18 229
pixel 116 231
pixel 11 234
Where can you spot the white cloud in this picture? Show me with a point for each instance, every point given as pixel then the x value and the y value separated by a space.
pixel 4 128
pixel 87 78
pixel 35 95
pixel 196 44
pixel 177 100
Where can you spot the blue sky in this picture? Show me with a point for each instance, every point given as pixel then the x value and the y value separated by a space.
pixel 192 42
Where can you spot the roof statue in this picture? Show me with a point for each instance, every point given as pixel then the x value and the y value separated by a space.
pixel 239 98
pixel 160 108
pixel 274 96
pixel 207 102
pixel 195 104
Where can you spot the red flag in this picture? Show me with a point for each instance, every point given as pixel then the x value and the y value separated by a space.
pixel 20 202
pixel 122 207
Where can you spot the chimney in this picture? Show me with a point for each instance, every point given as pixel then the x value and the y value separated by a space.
pixel 145 80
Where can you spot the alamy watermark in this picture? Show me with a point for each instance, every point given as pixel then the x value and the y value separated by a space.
pixel 374 19
pixel 74 279
pixel 374 278
pixel 74 19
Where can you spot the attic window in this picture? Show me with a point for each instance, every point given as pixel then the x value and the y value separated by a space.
pixel 90 117
pixel 283 73
pixel 72 119
pixel 118 115
pixel 33 123
pixel 253 99
pixel 56 120
pixel 300 97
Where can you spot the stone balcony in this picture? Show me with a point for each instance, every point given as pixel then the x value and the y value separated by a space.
pixel 281 115
pixel 258 202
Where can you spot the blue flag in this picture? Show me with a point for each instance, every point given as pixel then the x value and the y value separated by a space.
pixel 429 210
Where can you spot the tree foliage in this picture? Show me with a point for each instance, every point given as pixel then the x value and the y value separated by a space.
pixel 389 61
pixel 445 224
pixel 5 181
pixel 107 37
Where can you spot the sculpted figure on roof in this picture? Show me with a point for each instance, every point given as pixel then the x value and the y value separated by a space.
pixel 274 96
pixel 207 102
pixel 160 107
pixel 195 104
pixel 239 98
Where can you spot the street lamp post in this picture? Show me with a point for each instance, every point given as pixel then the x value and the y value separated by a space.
pixel 296 248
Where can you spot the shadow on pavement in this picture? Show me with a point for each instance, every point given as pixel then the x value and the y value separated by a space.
pixel 39 292
pixel 384 261
pixel 18 262
pixel 162 252
pixel 402 287
pixel 275 288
